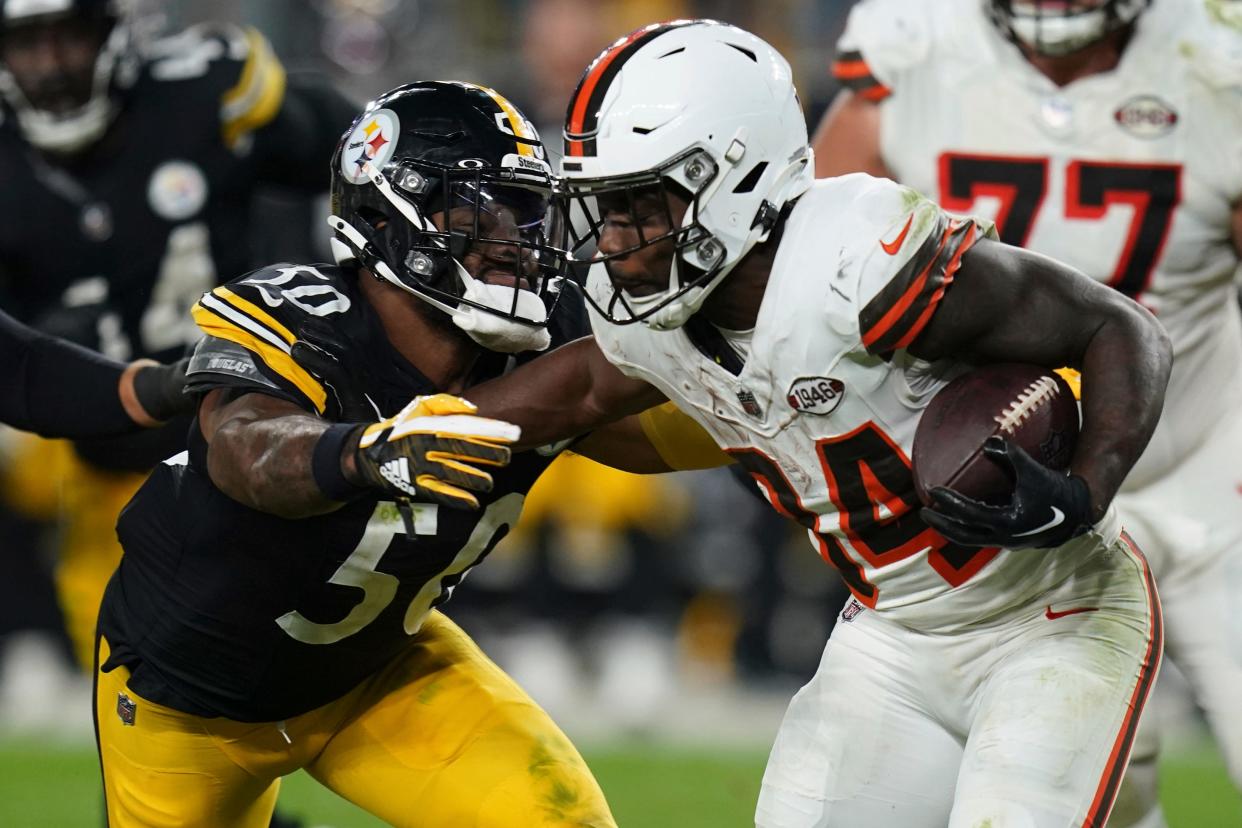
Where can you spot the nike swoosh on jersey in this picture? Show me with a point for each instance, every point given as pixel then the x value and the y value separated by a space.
pixel 892 247
pixel 1052 615
pixel 1058 517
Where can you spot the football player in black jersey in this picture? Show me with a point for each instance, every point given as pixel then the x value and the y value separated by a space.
pixel 128 172
pixel 276 606
pixel 58 389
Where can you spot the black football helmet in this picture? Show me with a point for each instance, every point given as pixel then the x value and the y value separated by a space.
pixel 437 177
pixel 60 129
pixel 1060 28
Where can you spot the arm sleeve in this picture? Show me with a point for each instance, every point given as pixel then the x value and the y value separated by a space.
pixel 56 388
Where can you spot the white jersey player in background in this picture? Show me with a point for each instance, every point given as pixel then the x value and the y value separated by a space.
pixel 991 673
pixel 1108 134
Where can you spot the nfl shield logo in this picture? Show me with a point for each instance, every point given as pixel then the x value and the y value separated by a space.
pixel 749 404
pixel 852 608
pixel 126 709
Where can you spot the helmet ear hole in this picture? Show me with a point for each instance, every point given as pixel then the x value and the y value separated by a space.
pixel 751 179
pixel 374 219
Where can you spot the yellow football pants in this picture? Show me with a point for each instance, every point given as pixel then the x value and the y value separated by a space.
pixel 441 737
pixel 47 479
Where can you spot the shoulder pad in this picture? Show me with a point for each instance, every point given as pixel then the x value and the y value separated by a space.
pixel 218 363
pixel 882 39
pixel 263 311
pixel 907 252
pixel 238 64
pixel 1212 43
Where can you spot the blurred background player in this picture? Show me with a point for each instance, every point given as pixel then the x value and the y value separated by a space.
pixel 296 627
pixel 1104 133
pixel 130 165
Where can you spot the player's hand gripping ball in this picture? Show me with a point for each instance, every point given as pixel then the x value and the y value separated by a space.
pixel 990 458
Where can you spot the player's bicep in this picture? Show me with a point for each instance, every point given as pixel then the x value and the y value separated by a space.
pixel 848 138
pixel 1010 304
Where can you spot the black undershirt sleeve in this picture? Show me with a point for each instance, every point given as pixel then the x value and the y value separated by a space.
pixel 56 388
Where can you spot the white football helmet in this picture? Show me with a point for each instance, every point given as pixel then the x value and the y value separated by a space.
pixel 1061 28
pixel 698 107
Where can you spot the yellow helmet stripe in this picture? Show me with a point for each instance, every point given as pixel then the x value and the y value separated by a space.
pixel 520 127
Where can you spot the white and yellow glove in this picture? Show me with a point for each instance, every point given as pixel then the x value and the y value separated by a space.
pixel 432 450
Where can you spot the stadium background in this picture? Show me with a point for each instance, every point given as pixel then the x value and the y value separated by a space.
pixel 663 621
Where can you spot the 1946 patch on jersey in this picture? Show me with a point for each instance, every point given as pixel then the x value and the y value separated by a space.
pixel 816 395
pixel 1146 116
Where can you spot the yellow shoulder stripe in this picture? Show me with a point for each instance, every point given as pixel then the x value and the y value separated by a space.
pixel 254 311
pixel 258 94
pixel 680 441
pixel 214 319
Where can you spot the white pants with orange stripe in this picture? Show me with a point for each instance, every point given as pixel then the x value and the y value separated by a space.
pixel 1025 721
pixel 1189 524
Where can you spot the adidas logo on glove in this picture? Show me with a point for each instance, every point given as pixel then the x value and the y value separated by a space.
pixel 397 472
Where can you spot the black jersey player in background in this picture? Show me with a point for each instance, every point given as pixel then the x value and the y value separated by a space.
pixel 275 608
pixel 129 167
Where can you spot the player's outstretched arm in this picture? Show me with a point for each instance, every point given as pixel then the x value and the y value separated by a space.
pixel 567 392
pixel 848 138
pixel 1010 305
pixel 273 456
pixel 58 389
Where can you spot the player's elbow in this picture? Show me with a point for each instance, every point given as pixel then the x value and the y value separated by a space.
pixel 1155 342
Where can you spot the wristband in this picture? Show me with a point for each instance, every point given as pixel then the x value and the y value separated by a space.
pixel 326 462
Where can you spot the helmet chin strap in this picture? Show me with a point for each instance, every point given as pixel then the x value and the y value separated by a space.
pixel 492 331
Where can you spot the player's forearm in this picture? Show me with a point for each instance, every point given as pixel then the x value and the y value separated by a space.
pixel 57 388
pixel 1125 371
pixel 268 464
pixel 570 391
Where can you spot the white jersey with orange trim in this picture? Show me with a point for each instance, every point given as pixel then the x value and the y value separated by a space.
pixel 824 409
pixel 1129 175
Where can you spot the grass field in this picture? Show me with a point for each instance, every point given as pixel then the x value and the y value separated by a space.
pixel 651 787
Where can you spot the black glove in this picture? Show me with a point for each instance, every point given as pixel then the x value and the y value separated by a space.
pixel 322 351
pixel 1047 508
pixel 160 390
pixel 430 451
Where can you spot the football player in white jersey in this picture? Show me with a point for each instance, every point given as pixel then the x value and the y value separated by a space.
pixel 993 661
pixel 1106 133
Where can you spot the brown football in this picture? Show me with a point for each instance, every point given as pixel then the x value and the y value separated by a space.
pixel 1026 404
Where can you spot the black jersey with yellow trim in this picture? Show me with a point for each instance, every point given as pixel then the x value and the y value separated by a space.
pixel 222 610
pixel 110 248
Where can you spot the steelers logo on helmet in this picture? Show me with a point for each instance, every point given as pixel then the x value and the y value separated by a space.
pixel 373 141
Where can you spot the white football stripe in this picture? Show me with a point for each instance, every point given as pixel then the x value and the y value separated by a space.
pixel 226 310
